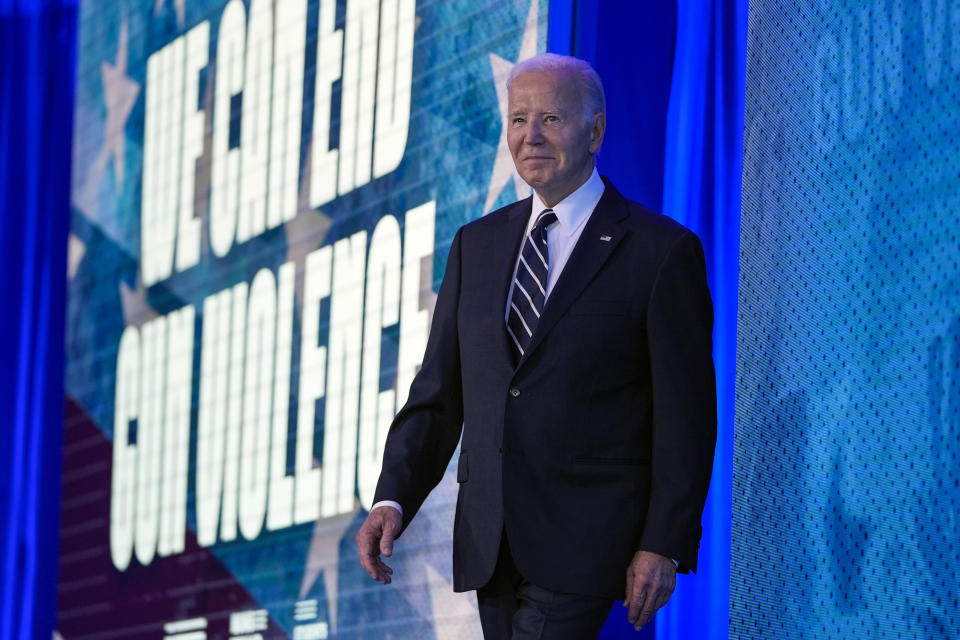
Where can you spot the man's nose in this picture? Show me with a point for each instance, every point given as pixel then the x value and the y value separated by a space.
pixel 534 132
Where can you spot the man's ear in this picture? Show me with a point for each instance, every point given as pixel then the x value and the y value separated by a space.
pixel 597 129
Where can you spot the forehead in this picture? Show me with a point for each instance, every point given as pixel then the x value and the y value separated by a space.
pixel 544 89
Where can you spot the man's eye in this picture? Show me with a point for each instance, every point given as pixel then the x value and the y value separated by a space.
pixel 551 119
pixel 518 121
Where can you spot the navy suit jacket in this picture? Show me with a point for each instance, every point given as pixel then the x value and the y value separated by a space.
pixel 600 440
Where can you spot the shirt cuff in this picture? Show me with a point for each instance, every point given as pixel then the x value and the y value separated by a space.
pixel 390 503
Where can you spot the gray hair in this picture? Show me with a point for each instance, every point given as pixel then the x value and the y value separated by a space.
pixel 588 79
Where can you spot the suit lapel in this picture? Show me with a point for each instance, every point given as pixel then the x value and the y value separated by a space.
pixel 504 245
pixel 599 238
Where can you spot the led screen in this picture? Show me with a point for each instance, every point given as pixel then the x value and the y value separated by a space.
pixel 847 449
pixel 263 198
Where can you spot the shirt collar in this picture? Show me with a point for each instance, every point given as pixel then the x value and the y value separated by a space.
pixel 574 210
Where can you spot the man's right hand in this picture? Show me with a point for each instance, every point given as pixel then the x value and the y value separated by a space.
pixel 376 537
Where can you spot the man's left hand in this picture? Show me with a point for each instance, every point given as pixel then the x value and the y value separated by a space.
pixel 651 578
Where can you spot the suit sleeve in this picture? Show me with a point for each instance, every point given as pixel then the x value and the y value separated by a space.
pixel 679 331
pixel 425 432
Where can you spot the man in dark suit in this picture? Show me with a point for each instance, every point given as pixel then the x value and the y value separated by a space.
pixel 571 345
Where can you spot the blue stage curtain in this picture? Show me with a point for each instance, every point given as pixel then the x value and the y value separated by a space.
pixel 701 188
pixel 37 67
pixel 674 75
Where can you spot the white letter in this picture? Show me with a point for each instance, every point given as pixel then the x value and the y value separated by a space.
pixel 188 235
pixel 323 164
pixel 393 84
pixel 161 152
pixel 255 123
pixel 414 320
pixel 123 480
pixel 280 508
pixel 382 310
pixel 313 363
pixel 258 387
pixel 225 162
pixel 176 439
pixel 343 376
pixel 359 83
pixel 212 415
pixel 150 438
pixel 287 110
pixel 231 455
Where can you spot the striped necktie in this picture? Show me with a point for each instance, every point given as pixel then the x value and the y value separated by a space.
pixel 529 284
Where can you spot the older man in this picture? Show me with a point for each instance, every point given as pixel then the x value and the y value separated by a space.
pixel 571 345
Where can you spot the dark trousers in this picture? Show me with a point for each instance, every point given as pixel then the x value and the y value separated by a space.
pixel 512 608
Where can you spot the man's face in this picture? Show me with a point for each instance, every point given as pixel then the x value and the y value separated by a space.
pixel 548 134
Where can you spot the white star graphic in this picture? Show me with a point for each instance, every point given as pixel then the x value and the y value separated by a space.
pixel 121 94
pixel 324 557
pixel 304 234
pixel 203 174
pixel 180 6
pixel 75 250
pixel 428 297
pixel 136 310
pixel 307 230
pixel 454 614
pixel 503 168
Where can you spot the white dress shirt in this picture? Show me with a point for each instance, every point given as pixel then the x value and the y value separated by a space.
pixel 572 215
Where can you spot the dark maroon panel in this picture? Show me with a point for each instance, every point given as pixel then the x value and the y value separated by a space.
pixel 95 600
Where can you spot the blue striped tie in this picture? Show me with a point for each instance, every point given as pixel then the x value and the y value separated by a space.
pixel 530 283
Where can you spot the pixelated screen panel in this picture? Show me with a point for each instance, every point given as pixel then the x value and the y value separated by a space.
pixel 263 198
pixel 846 518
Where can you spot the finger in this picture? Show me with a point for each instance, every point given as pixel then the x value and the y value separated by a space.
pixel 368 562
pixel 667 593
pixel 636 604
pixel 367 551
pixel 663 596
pixel 383 567
pixel 629 590
pixel 384 572
pixel 369 534
pixel 376 568
pixel 656 602
pixel 386 539
pixel 644 617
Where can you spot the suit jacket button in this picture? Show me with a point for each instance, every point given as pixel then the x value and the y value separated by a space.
pixel 515 392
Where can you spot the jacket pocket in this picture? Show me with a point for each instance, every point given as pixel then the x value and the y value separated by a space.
pixel 463 468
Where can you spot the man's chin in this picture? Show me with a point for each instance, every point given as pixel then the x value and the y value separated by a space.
pixel 535 179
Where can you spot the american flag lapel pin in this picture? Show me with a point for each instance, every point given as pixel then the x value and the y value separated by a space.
pixel 606 238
